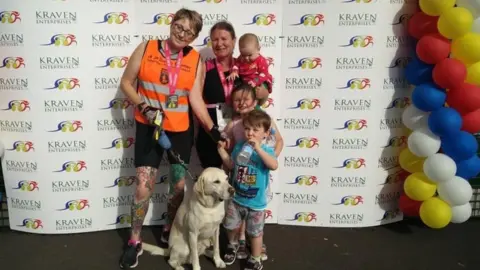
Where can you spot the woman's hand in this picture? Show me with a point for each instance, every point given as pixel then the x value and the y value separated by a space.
pixel 224 144
pixel 150 114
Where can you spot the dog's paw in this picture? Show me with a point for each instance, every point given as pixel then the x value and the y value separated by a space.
pixel 219 263
pixel 196 267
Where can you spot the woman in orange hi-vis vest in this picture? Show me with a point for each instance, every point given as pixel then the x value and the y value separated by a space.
pixel 165 75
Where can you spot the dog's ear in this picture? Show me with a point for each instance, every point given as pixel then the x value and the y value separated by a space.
pixel 200 186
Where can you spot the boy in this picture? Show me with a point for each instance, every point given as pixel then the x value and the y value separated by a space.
pixel 251 183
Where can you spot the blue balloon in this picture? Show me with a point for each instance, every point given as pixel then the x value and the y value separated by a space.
pixel 418 72
pixel 444 121
pixel 468 168
pixel 459 146
pixel 428 97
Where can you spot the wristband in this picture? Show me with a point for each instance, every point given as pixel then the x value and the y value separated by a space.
pixel 215 134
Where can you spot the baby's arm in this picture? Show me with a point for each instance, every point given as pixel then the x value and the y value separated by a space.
pixel 233 75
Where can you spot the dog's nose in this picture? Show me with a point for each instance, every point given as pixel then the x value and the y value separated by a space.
pixel 231 190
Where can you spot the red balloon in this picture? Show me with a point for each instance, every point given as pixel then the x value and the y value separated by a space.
pixel 402 175
pixel 449 73
pixel 464 98
pixel 433 48
pixel 471 122
pixel 420 24
pixel 408 206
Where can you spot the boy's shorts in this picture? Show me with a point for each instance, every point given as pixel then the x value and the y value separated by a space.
pixel 236 214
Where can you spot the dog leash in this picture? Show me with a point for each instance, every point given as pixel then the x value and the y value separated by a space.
pixel 177 157
pixel 162 139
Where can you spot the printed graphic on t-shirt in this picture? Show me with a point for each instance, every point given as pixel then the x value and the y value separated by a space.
pixel 241 173
pixel 246 178
pixel 164 76
pixel 251 180
pixel 249 192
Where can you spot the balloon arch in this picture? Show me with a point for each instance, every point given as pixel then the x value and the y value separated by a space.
pixel 445 112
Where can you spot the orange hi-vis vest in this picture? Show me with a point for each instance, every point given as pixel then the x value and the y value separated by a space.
pixel 153 85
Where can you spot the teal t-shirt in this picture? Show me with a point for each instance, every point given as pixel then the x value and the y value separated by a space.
pixel 251 181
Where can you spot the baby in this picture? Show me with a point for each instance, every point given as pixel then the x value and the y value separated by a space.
pixel 251 65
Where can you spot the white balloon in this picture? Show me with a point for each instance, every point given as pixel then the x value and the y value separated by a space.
pixel 423 143
pixel 413 118
pixel 461 213
pixel 472 5
pixel 456 191
pixel 439 168
pixel 476 26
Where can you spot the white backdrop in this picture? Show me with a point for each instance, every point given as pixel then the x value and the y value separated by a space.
pixel 68 130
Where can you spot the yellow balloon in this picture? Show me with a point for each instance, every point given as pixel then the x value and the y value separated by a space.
pixel 473 74
pixel 409 162
pixel 418 187
pixel 467 48
pixel 435 213
pixel 455 22
pixel 435 7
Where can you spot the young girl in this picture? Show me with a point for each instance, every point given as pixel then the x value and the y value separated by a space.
pixel 243 101
pixel 251 65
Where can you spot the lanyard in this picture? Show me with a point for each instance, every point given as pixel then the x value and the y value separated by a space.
pixel 227 85
pixel 172 76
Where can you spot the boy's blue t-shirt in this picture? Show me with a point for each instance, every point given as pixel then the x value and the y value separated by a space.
pixel 251 181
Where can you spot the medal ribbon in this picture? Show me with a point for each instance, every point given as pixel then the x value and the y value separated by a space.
pixel 172 74
pixel 227 85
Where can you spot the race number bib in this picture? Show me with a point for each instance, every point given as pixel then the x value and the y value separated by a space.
pixel 224 115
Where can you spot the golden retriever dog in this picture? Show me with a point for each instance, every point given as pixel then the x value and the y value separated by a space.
pixel 197 222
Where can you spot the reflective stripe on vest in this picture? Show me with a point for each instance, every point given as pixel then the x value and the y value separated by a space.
pixel 150 96
pixel 153 86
